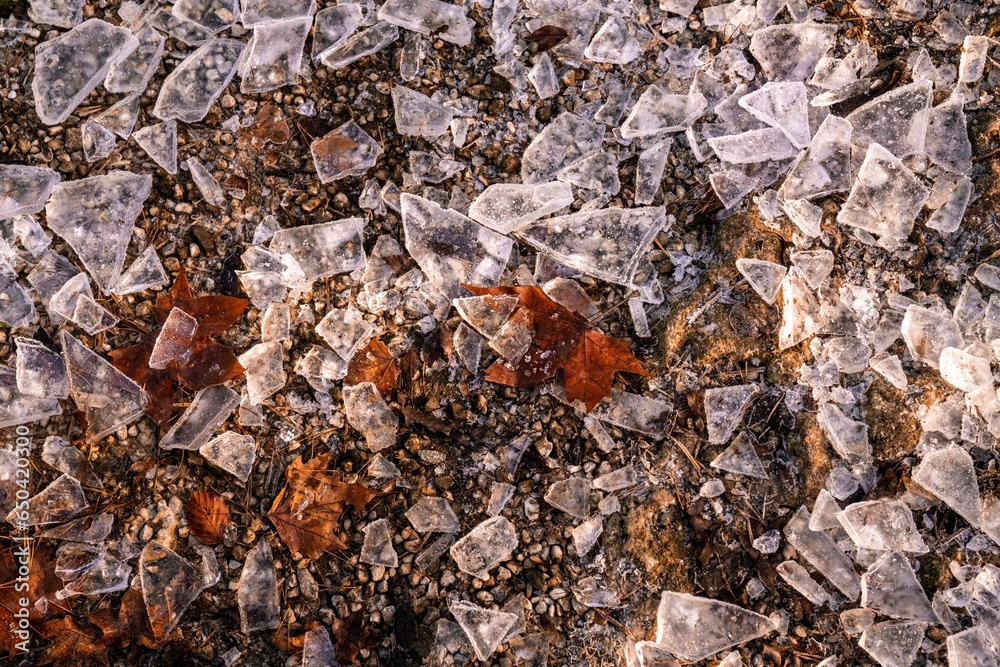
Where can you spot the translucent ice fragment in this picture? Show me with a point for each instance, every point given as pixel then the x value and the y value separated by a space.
pixel 190 89
pixel 543 77
pixel 359 45
pixel 257 595
pixel 120 117
pixel 173 343
pixel 321 368
pixel 731 186
pixel 741 458
pixel 948 217
pixel 322 250
pixel 207 185
pixel 649 171
pixel 891 368
pixel 264 369
pixel 368 413
pixel 890 587
pixel 947 143
pixel 60 13
pixel 724 408
pixel 317 649
pixel 160 143
pixel 825 511
pixel 24 190
pixel 657 111
pixel 212 15
pixel 974 54
pixel 822 553
pixel 798 578
pixel 693 628
pixel 928 332
pixel 814 266
pixel 69 460
pixel 896 120
pixel 948 474
pixel 58 502
pixel 40 372
pixel 752 146
pixel 146 272
pixel 613 43
pixel 565 140
pixel 585 535
pixel 98 141
pixel 783 105
pixel 429 17
pixel 505 207
pixel 333 25
pixel 882 525
pixel 208 410
pixel 825 167
pixel 87 529
pixel 232 452
pixel 131 74
pixel 16 408
pixel 765 277
pixel 790 52
pixel 893 643
pixel 274 55
pixel 571 496
pixel 485 547
pixel 258 13
pixel 969 648
pixel 419 115
pixel 433 515
pixel 485 628
pixel 169 585
pixel 345 151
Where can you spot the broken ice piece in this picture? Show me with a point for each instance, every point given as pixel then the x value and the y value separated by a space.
pixel 317 649
pixel 597 172
pixel 87 529
pixel 322 250
pixel 132 73
pixel 146 272
pixel 890 587
pixel 882 525
pixel 273 57
pixel 693 628
pixel 731 186
pixel 783 105
pixel 58 502
pixel 429 17
pixel 381 468
pixel 593 593
pixel 321 368
pixel 949 475
pixel 613 43
pixel 800 311
pixel 98 141
pixel 848 437
pixel 500 495
pixel 212 15
pixel 948 217
pixel 585 535
pixel 346 151
pixel 258 597
pixel 16 408
pixel 965 371
pixel 619 479
pixel 947 143
pixel 40 371
pixel 120 118
pixel 377 548
pixel 798 578
pixel 485 546
pixel 825 167
pixel 970 649
pixel 359 45
pixel 790 52
pixel 106 575
pixel 765 277
pixel 649 171
pixel 468 346
pixel 169 585
pixel 485 628
pixel 571 496
pixel 822 553
pixel 69 460
pixel 543 77
pixel 505 207
pixel 333 25
pixel 160 143
pixel 31 235
pixel 209 408
pixel 173 343
pixel 565 140
pixel 973 61
pixel 824 514
pixel 369 414
pixel 893 643
pixel 814 266
pixel 16 306
pixel 275 323
pixel 741 458
pixel 91 316
pixel 433 515
pixel 891 368
pixel 752 146
pixel 345 330
pixel 658 112
pixel 232 452
pixel 724 409
pixel 60 13
pixel 24 190
pixel 73 64
pixel 193 86
pixel 896 120
pixel 451 645
pixel 265 370
pixel 207 185
pixel 419 115
pixel 928 332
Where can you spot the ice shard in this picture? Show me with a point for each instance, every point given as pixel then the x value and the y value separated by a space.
pixel 693 628
pixel 190 89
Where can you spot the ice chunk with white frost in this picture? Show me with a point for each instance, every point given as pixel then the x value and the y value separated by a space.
pixel 886 198
pixel 418 115
pixel 486 314
pixel 505 207
pixel 798 578
pixel 814 266
pixel 317 649
pixel 632 411
pixel 160 143
pixel 893 643
pixel 891 368
pixel 782 105
pixel 433 515
pixel 207 185
pixel 24 190
pixel 209 408
pixel 597 172
pixel 764 277
pixel 543 77
pixel 69 460
pixel 571 496
pixel 173 343
pixel 264 369
pixel 40 372
pixel 964 370
pixel 565 140
pixel 882 525
pixel 95 216
pixel 428 17
pixel 805 215
pixel 359 45
pixel 969 648
pixel 825 167
pixel 731 185
pixel 790 52
pixel 232 452
pixel 377 548
pixel 73 64
pixel 107 397
pixel 193 86
pixel 649 170
pixel 896 120
pixel 947 143
pixel 606 244
pixel 948 474
pixel 822 553
pixel 274 55
pixel 485 546
pixel 948 217
pixel 613 43
pixel 146 272
pixel 333 25
pixel 724 408
pixel 346 151
pixel 120 118
pixel 368 413
pixel 848 437
pixel 60 13
pixel 321 367
pixel 258 597
pixel 131 74
pixel 657 111
pixel 169 585
pixel 60 501
pixel 345 330
pixel 322 250
pixel 98 142
pixel 890 587
pixel 928 332
pixel 212 15
pixel 693 628
pixel 974 54
pixel 753 146
pixel 825 510
pixel 450 248
pixel 740 458
pixel 485 628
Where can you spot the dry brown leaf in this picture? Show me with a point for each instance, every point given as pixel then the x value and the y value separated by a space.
pixel 373 363
pixel 129 624
pixel 71 646
pixel 208 517
pixel 547 37
pixel 42 583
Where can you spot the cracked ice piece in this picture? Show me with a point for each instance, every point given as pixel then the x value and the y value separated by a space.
pixel 264 369
pixel 486 314
pixel 60 501
pixel 377 548
pixel 805 215
pixel 891 368
pixel 693 628
pixel 585 535
pixel 505 207
pixel 634 412
pixel 258 13
pixel 345 330
pixel 783 105
pixel 543 77
pixel 432 168
pixel 593 593
pixel 825 167
pixel 146 272
pixel 928 332
pixel 418 115
pixel 72 65
pixel 657 111
pixel 798 578
pixel 965 371
pixel 947 143
pixel 724 409
pixel 752 146
pixel 24 190
pixel 212 15
pixel 764 277
pixel 450 248
pixel 649 171
pixel 231 452
pixel 562 142
pixel 321 367
pixel 485 547
pixel 597 171
pixel 87 529
pixel 359 45
pixel 433 515
pixel 160 143
pixel 613 43
pixel 132 73
pixel 69 460
pixel 800 311
pixel 969 649
pixel 98 141
pixel 273 58
pixel 173 343
pixel 257 595
pixel 848 437
pixel 948 474
pixel 16 408
pixel 485 628
pixel 333 25
pixel 890 587
pixel 322 250
pixel 731 186
pixel 822 553
pixel 427 17
pixel 974 54
pixel 791 52
pixel 40 372
pixel 369 414
pixel 60 13
pixel 108 398
pixel 882 525
pixel 120 118
pixel 567 292
pixel 31 235
pixel 169 585
pixel 95 216
pixel 317 649
pixel 451 645
pixel 193 86
pixel 92 316
pixel 345 151
pixel 571 496
pixel 207 185
pixel 814 266
pixel 948 217
pixel 209 408
pixel 896 120
pixel 617 480
pixel 741 458
pixel 893 643
pixel 607 244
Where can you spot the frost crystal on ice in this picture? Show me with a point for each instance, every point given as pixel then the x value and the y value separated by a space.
pixel 257 595
pixel 485 547
pixel 345 151
pixel 209 408
pixel 190 89
pixel 160 143
pixel 693 628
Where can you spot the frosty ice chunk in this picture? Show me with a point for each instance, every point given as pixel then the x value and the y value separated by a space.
pixel 657 111
pixel 966 371
pixel 948 474
pixel 377 548
pixel 274 55
pixel 418 115
pixel 131 74
pixel 890 587
pixel 724 408
pixel 325 249
pixel 693 628
pixel 928 332
pixel 257 595
pixel 146 272
pixel 613 43
pixel 893 643
pixel 896 120
pixel 764 277
pixel 208 410
pixel 882 525
pixel 160 143
pixel 485 628
pixel 264 369
pixel 317 649
pixel 505 207
pixel 433 515
pixel 585 535
pixel 790 52
pixel 562 142
pixel 190 89
pixel 485 546
pixel 24 190
pixel 571 496
pixel 740 458
pixel 369 414
pixel 232 452
pixel 428 17
pixel 345 151
pixel 822 553
pixel 948 217
pixel 783 105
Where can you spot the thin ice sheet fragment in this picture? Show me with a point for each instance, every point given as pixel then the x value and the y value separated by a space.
pixel 896 120
pixel 947 143
pixel 562 142
pixel 322 250
pixel 24 190
pixel 212 15
pixel 504 207
pixel 649 171
pixel 231 452
pixel 485 546
pixel 333 25
pixel 886 198
pixel 206 183
pixel 359 45
pixel 377 547
pixel 345 151
pixel 428 17
pixel 190 89
pixel 657 111
pixel 169 585
pixel 823 554
pixel 273 58
pixel 264 370
pixel 370 414
pixel 740 458
pixel 160 143
pixel 120 118
pixel 693 628
pixel 60 501
pixel 790 52
pixel 485 628
pixel 16 306
pixel 724 408
pixel 257 594
pixel 783 105
pixel 40 372
pixel 764 277
pixel 146 272
pixel 893 643
pixel 60 13
pixel 928 332
pixel 432 514
pixel 418 115
pixel 890 587
pixel 613 43
pixel 949 475
pixel 882 525
pixel 132 73
pixel 209 408
pixel 266 12
pixel 98 142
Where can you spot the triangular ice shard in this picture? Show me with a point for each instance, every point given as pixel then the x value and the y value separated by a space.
pixel 784 105
pixel 562 142
pixel 800 313
pixel 160 143
pixel 377 548
pixel 657 111
pixel 208 410
pixel 825 167
pixel 764 277
pixel 896 120
pixel 120 118
pixel 882 525
pixel 724 409
pixel 98 141
pixel 257 595
pixel 823 554
pixel 24 190
pixel 949 475
pixel 970 649
pixel 359 45
pixel 17 408
pixel 16 305
pixel 95 216
pixel 505 207
pixel 814 266
pixel 485 546
pixel 131 74
pixel 649 171
pixel 825 510
pixel 597 172
pixel 790 52
pixel 741 458
pixel 146 272
pixel 108 398
pixel 693 628
pixel 485 628
pixel 232 452
pixel 169 585
pixel 890 587
pixel 613 43
pixel 189 90
pixel 333 25
pixel 206 183
pixel 893 643
pixel 60 501
pixel 346 151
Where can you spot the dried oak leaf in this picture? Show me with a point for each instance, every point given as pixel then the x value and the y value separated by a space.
pixel 207 516
pixel 215 313
pixel 129 624
pixel 42 583
pixel 373 363
pixel 268 126
pixel 351 636
pixel 71 646
pixel 547 37
pixel 307 510
pixel 561 340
